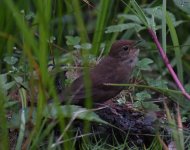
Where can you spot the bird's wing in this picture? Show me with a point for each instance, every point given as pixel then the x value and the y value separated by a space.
pixel 77 88
pixel 99 77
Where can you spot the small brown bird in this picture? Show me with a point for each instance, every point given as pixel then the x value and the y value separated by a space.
pixel 114 68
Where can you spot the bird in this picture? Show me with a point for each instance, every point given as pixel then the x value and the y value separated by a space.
pixel 116 68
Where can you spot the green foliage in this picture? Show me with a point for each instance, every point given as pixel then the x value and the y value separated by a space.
pixel 142 96
pixel 144 64
pixel 187 87
pixel 183 5
pixel 72 40
pixel 51 112
pixel 70 111
pixel 122 27
pixel 142 102
pixel 139 12
pixel 10 60
pixel 32 34
pixel 4 84
pixel 157 83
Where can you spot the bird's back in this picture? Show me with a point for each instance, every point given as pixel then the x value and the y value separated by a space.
pixel 99 76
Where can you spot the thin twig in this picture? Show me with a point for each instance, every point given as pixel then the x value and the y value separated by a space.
pixel 167 63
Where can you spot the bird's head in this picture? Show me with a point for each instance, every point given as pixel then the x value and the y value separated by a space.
pixel 126 51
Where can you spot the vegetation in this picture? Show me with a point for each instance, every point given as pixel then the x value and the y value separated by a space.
pixel 73 35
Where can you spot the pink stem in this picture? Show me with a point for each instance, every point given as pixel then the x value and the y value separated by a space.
pixel 167 63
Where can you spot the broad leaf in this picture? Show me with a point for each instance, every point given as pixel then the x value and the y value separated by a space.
pixel 157 83
pixel 184 5
pixel 144 64
pixel 71 40
pixel 122 27
pixel 70 111
pixel 142 96
pixel 10 60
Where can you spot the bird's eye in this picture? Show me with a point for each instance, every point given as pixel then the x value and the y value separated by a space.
pixel 125 48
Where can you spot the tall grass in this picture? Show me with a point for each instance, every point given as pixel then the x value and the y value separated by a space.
pixel 32 38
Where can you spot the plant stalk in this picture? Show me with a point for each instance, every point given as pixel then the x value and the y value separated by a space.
pixel 167 63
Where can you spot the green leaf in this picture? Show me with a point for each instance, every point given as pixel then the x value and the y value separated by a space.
pixel 18 79
pixel 157 83
pixel 77 46
pixel 3 78
pixel 52 39
pixel 9 85
pixel 71 111
pixel 30 15
pixel 150 106
pixel 10 104
pixel 187 87
pixel 10 60
pixel 142 96
pixel 140 103
pixel 133 18
pixel 157 13
pixel 144 64
pixel 4 84
pixel 184 5
pixel 122 27
pixel 177 50
pixel 86 46
pixel 139 12
pixel 71 40
pixel 14 122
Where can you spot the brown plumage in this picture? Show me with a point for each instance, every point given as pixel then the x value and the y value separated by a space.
pixel 114 68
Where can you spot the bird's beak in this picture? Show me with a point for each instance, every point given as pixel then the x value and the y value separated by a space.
pixel 137 52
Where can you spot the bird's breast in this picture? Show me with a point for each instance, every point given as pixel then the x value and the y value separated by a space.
pixel 122 74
